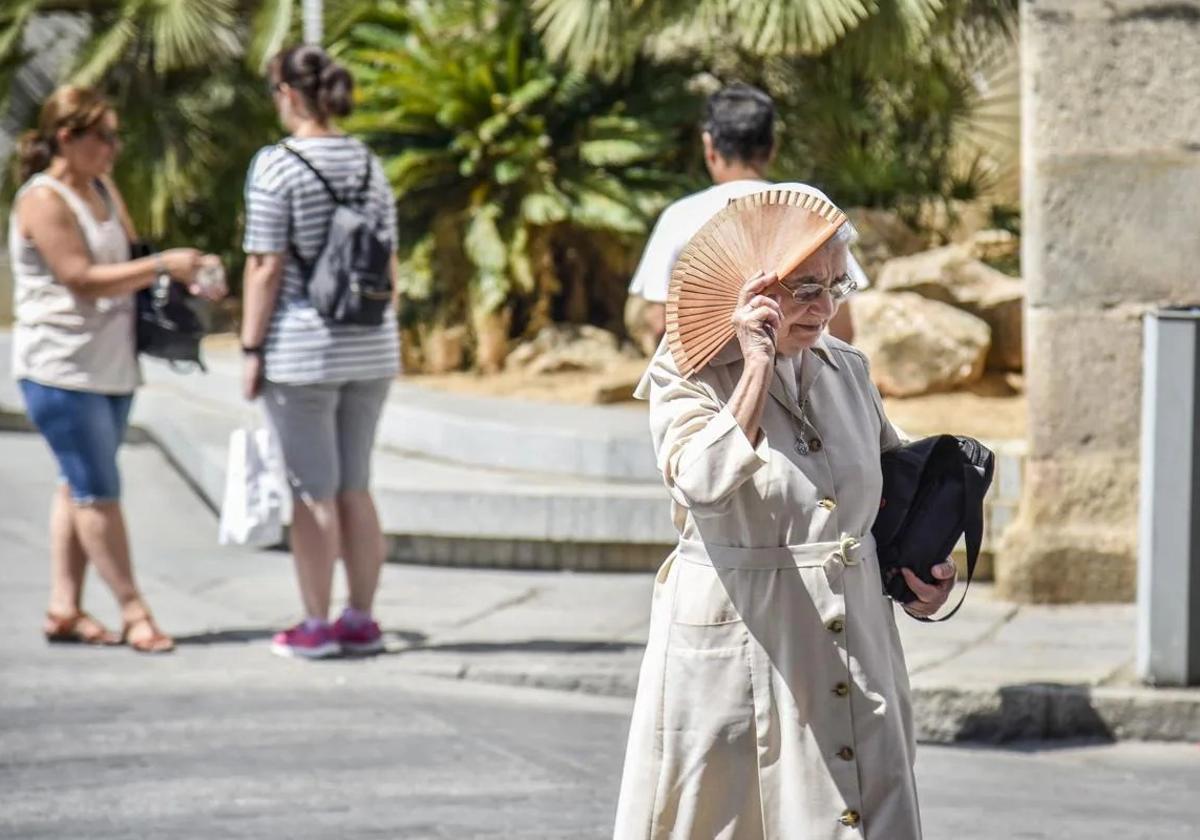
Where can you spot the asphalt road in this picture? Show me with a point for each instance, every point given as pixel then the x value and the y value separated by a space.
pixel 221 740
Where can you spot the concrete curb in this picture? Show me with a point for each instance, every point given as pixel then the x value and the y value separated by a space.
pixel 475 510
pixel 464 480
pixel 1048 711
pixel 942 714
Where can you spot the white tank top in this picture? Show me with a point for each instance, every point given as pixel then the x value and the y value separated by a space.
pixel 61 338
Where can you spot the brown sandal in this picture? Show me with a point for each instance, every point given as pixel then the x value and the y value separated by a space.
pixel 79 628
pixel 156 642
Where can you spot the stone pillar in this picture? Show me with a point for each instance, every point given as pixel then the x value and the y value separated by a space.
pixel 1111 224
pixel 6 290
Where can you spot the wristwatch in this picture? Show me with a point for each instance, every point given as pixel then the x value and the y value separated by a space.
pixel 252 351
pixel 160 266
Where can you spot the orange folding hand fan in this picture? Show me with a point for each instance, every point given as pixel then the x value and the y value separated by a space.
pixel 772 231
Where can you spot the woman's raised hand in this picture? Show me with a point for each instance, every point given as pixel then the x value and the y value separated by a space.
pixel 757 318
pixel 181 264
pixel 201 273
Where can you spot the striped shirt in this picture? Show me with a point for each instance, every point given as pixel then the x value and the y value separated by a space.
pixel 285 203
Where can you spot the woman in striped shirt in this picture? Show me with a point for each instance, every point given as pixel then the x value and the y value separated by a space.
pixel 323 385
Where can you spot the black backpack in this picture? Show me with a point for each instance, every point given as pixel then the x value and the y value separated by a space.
pixel 933 492
pixel 350 280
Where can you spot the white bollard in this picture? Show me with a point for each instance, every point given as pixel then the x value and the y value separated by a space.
pixel 1168 597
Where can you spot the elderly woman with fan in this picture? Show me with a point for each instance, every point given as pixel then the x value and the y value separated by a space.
pixel 773 700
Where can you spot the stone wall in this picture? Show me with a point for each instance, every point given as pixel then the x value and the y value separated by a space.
pixel 1111 144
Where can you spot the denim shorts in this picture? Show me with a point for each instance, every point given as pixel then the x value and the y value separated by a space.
pixel 84 430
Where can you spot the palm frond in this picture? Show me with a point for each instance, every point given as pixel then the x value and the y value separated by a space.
pixel 272 25
pixel 544 208
pixel 110 47
pixel 15 21
pixel 589 34
pixel 795 26
pixel 191 33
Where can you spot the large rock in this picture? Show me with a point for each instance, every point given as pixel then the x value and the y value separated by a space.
pixel 951 275
pixel 929 273
pixel 637 324
pixel 883 235
pixel 567 347
pixel 994 244
pixel 917 345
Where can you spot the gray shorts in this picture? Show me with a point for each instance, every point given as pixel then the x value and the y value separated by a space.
pixel 326 432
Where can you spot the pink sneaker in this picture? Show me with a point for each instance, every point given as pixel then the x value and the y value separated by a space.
pixel 307 640
pixel 358 636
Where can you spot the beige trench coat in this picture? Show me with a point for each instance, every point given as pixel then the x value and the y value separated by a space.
pixel 773 701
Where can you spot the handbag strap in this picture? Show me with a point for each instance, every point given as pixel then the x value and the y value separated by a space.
pixel 975 484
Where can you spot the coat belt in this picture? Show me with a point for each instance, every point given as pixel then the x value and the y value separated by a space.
pixel 833 557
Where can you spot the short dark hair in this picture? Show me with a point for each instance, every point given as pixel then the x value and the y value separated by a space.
pixel 740 119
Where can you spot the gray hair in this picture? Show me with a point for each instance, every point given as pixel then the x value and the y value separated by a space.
pixel 843 237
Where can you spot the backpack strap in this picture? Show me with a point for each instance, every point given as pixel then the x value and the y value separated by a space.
pixel 306 265
pixel 976 480
pixel 313 169
pixel 360 195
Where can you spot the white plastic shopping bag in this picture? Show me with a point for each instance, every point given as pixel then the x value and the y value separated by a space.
pixel 257 501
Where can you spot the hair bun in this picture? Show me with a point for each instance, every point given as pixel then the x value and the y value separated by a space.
pixel 326 86
pixel 336 95
pixel 313 61
pixel 34 153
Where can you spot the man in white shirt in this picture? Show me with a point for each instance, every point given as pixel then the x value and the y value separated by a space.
pixel 739 142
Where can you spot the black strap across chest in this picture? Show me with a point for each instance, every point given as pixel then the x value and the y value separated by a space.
pixel 359 197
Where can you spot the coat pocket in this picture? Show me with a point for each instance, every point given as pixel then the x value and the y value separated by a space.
pixel 704 596
pixel 707 783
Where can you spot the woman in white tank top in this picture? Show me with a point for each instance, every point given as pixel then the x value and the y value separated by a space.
pixel 73 349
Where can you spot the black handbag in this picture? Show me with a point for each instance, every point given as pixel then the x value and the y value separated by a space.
pixel 933 491
pixel 169 321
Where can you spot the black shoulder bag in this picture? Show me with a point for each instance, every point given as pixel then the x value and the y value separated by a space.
pixel 169 327
pixel 933 491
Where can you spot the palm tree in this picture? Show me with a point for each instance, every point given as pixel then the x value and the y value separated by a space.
pixel 524 192
pixel 912 106
pixel 191 103
pixel 609 34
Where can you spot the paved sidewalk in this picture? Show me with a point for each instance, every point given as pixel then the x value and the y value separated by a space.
pixel 997 671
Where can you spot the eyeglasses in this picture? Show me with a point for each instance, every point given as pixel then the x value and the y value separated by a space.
pixel 107 136
pixel 809 289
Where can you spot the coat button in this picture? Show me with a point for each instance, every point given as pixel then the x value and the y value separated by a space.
pixel 815 445
pixel 845 754
pixel 841 689
pixel 849 818
pixel 837 626
pixel 827 504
